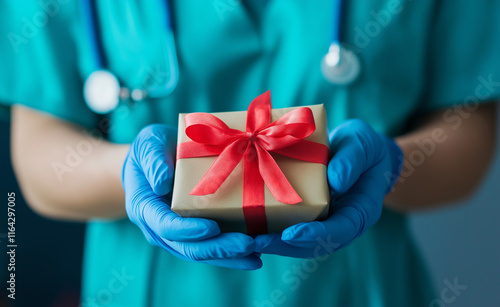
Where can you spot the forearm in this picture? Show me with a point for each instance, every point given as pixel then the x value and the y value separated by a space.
pixel 64 172
pixel 445 158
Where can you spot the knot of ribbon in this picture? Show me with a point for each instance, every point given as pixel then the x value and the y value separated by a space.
pixel 212 137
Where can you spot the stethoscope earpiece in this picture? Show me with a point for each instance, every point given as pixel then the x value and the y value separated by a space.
pixel 340 66
pixel 101 91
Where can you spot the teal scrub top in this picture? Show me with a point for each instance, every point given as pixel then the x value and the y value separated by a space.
pixel 416 56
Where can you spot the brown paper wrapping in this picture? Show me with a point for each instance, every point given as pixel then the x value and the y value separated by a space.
pixel 225 205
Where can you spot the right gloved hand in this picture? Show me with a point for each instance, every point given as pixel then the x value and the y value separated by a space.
pixel 357 174
pixel 147 179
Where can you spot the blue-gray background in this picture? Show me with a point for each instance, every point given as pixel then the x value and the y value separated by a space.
pixel 460 242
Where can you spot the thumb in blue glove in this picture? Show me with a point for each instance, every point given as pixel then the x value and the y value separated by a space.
pixel 147 180
pixel 357 176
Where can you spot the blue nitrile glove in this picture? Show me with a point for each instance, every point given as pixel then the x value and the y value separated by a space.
pixel 364 168
pixel 147 180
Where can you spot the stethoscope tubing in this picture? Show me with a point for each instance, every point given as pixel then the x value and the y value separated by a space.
pixel 342 70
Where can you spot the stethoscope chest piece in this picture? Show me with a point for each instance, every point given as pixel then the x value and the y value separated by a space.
pixel 101 91
pixel 340 66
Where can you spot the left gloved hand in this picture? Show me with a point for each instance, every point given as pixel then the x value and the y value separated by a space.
pixel 147 181
pixel 362 171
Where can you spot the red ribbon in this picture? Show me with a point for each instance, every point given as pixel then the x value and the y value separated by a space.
pixel 212 137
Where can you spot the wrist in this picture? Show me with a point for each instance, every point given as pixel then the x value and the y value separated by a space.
pixel 396 158
pixel 113 159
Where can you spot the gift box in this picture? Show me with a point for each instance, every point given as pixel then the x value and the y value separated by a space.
pixel 255 171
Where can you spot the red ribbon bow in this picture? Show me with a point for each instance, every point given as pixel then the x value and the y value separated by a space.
pixel 211 137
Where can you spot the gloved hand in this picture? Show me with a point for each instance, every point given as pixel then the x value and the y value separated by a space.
pixel 147 180
pixel 364 168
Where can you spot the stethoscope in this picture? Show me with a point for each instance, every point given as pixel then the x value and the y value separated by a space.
pixel 103 91
pixel 340 65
